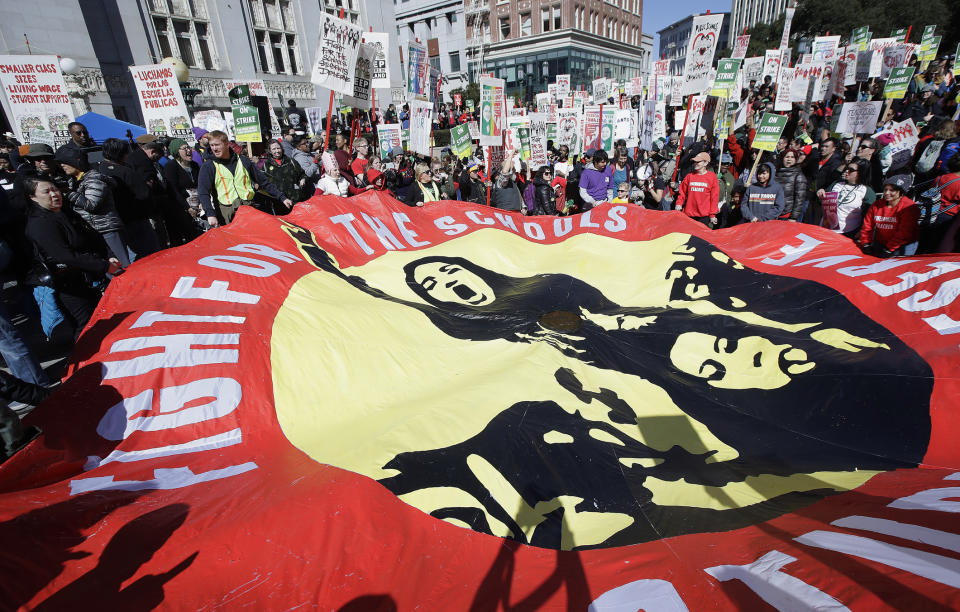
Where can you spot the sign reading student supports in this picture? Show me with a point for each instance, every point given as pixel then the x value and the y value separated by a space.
pixel 161 101
pixel 337 47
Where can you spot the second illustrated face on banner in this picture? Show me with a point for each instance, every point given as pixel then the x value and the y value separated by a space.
pixel 669 400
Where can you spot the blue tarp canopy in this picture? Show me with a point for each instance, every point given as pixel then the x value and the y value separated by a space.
pixel 102 127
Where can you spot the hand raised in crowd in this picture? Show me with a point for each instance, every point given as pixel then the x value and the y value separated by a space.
pixel 115 266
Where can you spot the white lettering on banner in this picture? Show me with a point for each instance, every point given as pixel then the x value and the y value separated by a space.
pixel 477 218
pixel 585 220
pixel 534 231
pixel 506 221
pixel 562 226
pixel 906 531
pixel 178 352
pixel 384 235
pixel 346 220
pixel 150 317
pixel 777 588
pixel 230 438
pixel 259 249
pixel 401 219
pixel 793 253
pixel 449 226
pixel 241 265
pixel 175 478
pixel 908 280
pixel 938 500
pixel 616 222
pixel 943 324
pixel 121 420
pixel 924 301
pixel 938 568
pixel 657 595
pixel 218 291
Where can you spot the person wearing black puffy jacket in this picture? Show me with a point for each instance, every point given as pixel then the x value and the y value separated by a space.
pixel 794 183
pixel 91 196
pixel 544 197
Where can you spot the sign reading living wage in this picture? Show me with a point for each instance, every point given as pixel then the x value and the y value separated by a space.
pixel 161 101
pixel 246 117
pixel 337 47
pixel 769 131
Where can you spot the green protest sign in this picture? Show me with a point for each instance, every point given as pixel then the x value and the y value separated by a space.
pixel 551 131
pixel 898 81
pixel 860 37
pixel 956 61
pixel 470 104
pixel 726 79
pixel 523 133
pixel 405 138
pixel 246 117
pixel 769 131
pixel 900 34
pixel 930 53
pixel 928 33
pixel 460 142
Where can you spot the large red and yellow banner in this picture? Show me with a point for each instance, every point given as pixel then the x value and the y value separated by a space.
pixel 369 406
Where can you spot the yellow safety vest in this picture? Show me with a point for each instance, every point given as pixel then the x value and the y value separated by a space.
pixel 234 186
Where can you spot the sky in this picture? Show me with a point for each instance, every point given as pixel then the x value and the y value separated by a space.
pixel 658 14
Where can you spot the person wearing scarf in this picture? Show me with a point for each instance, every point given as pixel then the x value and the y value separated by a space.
pixel 425 189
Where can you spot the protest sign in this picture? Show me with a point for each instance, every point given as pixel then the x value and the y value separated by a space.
pixel 894 56
pixel 693 117
pixel 380 67
pixel 457 100
pixel 860 36
pixel 362 76
pixel 161 101
pixel 421 117
pixel 315 116
pixel 460 142
pixel 771 63
pixel 850 65
pixel 787 22
pixel 676 91
pixel 752 70
pixel 601 90
pixel 337 47
pixel 590 124
pixel 740 46
pixel 802 76
pixel 543 100
pixel 538 140
pixel 769 131
pixel 493 116
pixel 551 131
pixel 608 121
pixel 928 32
pixel 726 79
pixel 859 117
pixel 474 130
pixel 864 63
pixel 930 53
pixel 956 61
pixel 898 82
pixel 679 119
pixel 904 136
pixel 878 46
pixel 418 76
pixel 398 95
pixel 246 117
pixel 648 125
pixel 35 96
pixel 40 136
pixel 563 85
pixel 258 88
pixel 830 219
pixel 704 34
pixel 660 121
pixel 568 129
pixel 211 120
pixel 661 67
pixel 388 135
pixel 782 101
pixel 552 91
pixel 405 138
pixel 624 123
pixel 824 48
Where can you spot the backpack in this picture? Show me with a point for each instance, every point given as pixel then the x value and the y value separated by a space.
pixel 928 159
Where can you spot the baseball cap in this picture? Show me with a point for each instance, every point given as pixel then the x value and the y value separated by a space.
pixel 903 182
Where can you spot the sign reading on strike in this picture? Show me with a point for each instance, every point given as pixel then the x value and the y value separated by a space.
pixel 768 131
pixel 898 81
pixel 726 78
pixel 246 118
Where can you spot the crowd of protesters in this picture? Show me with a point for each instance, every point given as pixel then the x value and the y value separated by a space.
pixel 71 224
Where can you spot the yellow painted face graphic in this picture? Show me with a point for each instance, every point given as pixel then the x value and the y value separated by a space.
pixel 745 363
pixel 534 405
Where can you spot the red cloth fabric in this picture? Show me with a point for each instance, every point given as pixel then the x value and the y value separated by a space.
pixel 359 166
pixel 699 195
pixel 895 226
pixel 949 195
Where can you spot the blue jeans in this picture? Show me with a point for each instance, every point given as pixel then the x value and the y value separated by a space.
pixel 16 354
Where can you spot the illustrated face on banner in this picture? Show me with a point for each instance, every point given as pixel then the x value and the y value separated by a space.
pixel 673 401
pixel 703 45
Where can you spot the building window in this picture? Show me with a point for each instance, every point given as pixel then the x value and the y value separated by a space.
pixel 452 18
pixel 504 28
pixel 545 19
pixel 455 61
pixel 557 17
pixel 526 24
pixel 275 31
pixel 183 31
pixel 435 62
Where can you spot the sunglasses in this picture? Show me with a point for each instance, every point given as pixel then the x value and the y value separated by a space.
pixel 622 191
pixel 850 170
pixel 863 146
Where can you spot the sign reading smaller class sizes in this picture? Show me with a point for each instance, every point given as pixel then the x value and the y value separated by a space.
pixel 161 101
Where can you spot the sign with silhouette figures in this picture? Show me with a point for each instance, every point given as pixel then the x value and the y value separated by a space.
pixel 366 406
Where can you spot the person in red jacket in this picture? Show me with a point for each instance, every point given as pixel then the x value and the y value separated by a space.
pixel 699 193
pixel 891 223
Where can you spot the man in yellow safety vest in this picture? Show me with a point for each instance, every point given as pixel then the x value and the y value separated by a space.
pixel 230 180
